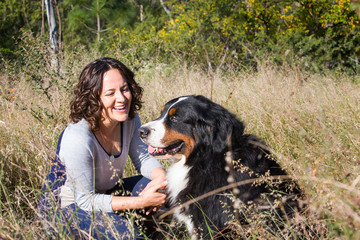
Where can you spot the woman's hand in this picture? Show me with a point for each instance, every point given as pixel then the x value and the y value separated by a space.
pixel 151 197
pixel 157 184
pixel 158 176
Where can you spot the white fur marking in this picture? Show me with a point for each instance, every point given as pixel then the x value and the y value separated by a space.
pixel 177 178
pixel 157 132
pixel 187 220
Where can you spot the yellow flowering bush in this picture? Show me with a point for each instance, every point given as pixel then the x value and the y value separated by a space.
pixel 216 33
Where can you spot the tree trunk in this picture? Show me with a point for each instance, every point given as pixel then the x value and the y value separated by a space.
pixel 166 9
pixel 98 21
pixel 42 18
pixel 141 12
pixel 60 26
pixel 98 27
pixel 53 35
pixel 25 15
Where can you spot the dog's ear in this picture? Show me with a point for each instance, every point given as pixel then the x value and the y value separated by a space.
pixel 215 125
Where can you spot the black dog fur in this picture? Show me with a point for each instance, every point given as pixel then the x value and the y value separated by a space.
pixel 211 126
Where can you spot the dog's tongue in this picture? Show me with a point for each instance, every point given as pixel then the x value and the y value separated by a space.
pixel 152 150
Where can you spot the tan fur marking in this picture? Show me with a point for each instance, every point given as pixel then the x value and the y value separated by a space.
pixel 172 136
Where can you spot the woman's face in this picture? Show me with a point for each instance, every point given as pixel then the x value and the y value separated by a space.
pixel 116 97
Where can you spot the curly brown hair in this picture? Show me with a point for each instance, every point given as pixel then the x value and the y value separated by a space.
pixel 87 104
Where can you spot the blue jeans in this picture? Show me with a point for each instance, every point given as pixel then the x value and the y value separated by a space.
pixel 80 224
pixel 72 221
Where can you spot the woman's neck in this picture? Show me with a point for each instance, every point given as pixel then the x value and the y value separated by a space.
pixel 109 129
pixel 110 137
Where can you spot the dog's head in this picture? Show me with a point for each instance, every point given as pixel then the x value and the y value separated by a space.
pixel 190 122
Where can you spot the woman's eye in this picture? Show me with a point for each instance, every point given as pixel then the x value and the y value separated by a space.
pixel 125 89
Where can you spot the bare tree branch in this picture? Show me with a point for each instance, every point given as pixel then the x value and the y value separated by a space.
pixel 166 9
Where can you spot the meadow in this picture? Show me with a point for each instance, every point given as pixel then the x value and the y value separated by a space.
pixel 310 121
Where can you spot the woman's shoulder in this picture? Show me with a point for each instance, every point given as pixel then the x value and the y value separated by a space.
pixel 77 143
pixel 79 131
pixel 82 126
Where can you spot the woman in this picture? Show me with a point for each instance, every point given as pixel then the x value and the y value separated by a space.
pixel 91 156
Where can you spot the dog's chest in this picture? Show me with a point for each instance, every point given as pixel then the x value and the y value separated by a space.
pixel 177 178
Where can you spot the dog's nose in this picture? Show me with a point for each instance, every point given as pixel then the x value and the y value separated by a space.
pixel 144 132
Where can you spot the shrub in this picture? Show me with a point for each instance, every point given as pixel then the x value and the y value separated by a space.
pixel 223 34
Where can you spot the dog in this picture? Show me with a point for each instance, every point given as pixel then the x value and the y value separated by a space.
pixel 198 135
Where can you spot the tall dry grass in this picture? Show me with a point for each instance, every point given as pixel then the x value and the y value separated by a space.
pixel 311 122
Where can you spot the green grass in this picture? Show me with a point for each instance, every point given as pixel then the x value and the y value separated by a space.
pixel 311 122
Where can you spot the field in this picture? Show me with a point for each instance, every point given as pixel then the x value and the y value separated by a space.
pixel 310 121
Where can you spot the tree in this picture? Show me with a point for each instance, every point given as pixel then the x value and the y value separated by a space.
pixel 16 15
pixel 53 34
pixel 92 18
pixel 215 32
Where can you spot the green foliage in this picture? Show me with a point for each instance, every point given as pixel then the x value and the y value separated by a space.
pixel 16 15
pixel 218 34
pixel 138 43
pixel 215 34
pixel 323 31
pixel 88 21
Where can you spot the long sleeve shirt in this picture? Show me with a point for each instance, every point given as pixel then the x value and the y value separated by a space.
pixel 91 171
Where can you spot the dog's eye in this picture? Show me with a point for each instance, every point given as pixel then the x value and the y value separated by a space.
pixel 173 118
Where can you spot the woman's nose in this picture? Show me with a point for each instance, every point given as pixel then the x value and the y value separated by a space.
pixel 120 96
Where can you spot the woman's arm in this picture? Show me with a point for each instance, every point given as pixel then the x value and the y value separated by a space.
pixel 77 154
pixel 149 197
pixel 158 175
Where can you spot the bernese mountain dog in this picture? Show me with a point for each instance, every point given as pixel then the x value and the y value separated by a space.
pixel 199 135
